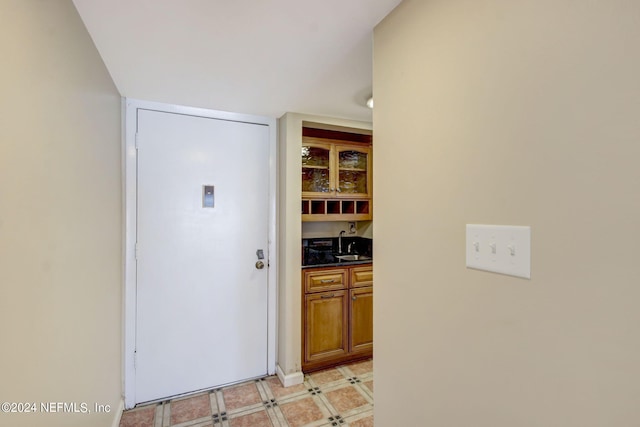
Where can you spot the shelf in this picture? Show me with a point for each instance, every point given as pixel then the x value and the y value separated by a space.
pixel 318 207
pixel 349 169
pixel 362 207
pixel 349 207
pixel 336 210
pixel 333 207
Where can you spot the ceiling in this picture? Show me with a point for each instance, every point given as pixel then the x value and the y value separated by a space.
pixel 263 57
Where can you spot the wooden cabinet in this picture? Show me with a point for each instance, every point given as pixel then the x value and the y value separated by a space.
pixel 361 309
pixel 318 164
pixel 352 171
pixel 361 319
pixel 337 315
pixel 332 168
pixel 326 325
pixel 336 180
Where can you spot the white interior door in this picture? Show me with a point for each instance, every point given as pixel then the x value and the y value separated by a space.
pixel 201 301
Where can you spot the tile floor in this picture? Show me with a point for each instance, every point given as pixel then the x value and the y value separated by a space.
pixel 341 396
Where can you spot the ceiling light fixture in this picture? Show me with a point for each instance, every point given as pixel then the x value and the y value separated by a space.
pixel 370 102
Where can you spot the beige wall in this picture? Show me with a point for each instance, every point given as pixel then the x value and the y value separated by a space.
pixel 290 234
pixel 519 113
pixel 60 219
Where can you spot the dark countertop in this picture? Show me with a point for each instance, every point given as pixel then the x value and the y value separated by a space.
pixel 322 252
pixel 339 263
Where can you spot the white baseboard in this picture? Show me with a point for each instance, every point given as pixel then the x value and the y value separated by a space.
pixel 118 414
pixel 290 379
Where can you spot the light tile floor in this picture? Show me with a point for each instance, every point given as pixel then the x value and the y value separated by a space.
pixel 341 396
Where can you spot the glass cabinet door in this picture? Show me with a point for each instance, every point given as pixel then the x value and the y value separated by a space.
pixel 316 160
pixel 353 171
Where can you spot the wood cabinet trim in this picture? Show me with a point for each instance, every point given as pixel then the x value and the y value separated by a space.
pixel 308 140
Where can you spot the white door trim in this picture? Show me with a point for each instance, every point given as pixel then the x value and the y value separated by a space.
pixel 130 109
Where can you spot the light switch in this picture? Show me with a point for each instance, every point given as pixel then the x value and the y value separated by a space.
pixel 504 249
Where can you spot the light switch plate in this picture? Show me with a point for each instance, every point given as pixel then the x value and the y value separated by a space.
pixel 504 249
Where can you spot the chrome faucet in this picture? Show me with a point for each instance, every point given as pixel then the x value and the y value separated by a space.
pixel 340 241
pixel 349 247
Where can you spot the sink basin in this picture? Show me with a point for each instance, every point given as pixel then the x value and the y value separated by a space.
pixel 353 257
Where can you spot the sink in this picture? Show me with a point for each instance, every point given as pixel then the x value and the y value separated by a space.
pixel 353 257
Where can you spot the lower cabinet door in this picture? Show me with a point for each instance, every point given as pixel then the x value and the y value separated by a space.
pixel 326 325
pixel 361 302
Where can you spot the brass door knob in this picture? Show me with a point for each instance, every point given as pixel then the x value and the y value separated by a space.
pixel 259 265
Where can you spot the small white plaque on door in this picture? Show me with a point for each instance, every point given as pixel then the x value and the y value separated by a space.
pixel 207 196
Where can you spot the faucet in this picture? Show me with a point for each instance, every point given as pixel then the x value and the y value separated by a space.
pixel 340 241
pixel 349 247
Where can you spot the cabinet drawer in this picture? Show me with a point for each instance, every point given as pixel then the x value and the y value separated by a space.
pixel 361 276
pixel 325 280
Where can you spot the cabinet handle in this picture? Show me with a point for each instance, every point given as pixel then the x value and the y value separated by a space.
pixel 354 298
pixel 327 280
pixel 327 296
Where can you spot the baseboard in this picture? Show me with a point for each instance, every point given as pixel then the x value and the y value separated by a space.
pixel 290 379
pixel 118 414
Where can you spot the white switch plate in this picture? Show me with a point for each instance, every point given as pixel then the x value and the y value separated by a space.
pixel 504 249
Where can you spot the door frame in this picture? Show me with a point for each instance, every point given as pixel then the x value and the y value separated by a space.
pixel 130 109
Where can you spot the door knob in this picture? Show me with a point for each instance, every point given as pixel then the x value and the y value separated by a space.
pixel 260 255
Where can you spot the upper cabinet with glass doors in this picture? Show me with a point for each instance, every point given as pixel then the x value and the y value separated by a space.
pixel 353 171
pixel 335 169
pixel 317 168
pixel 336 180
